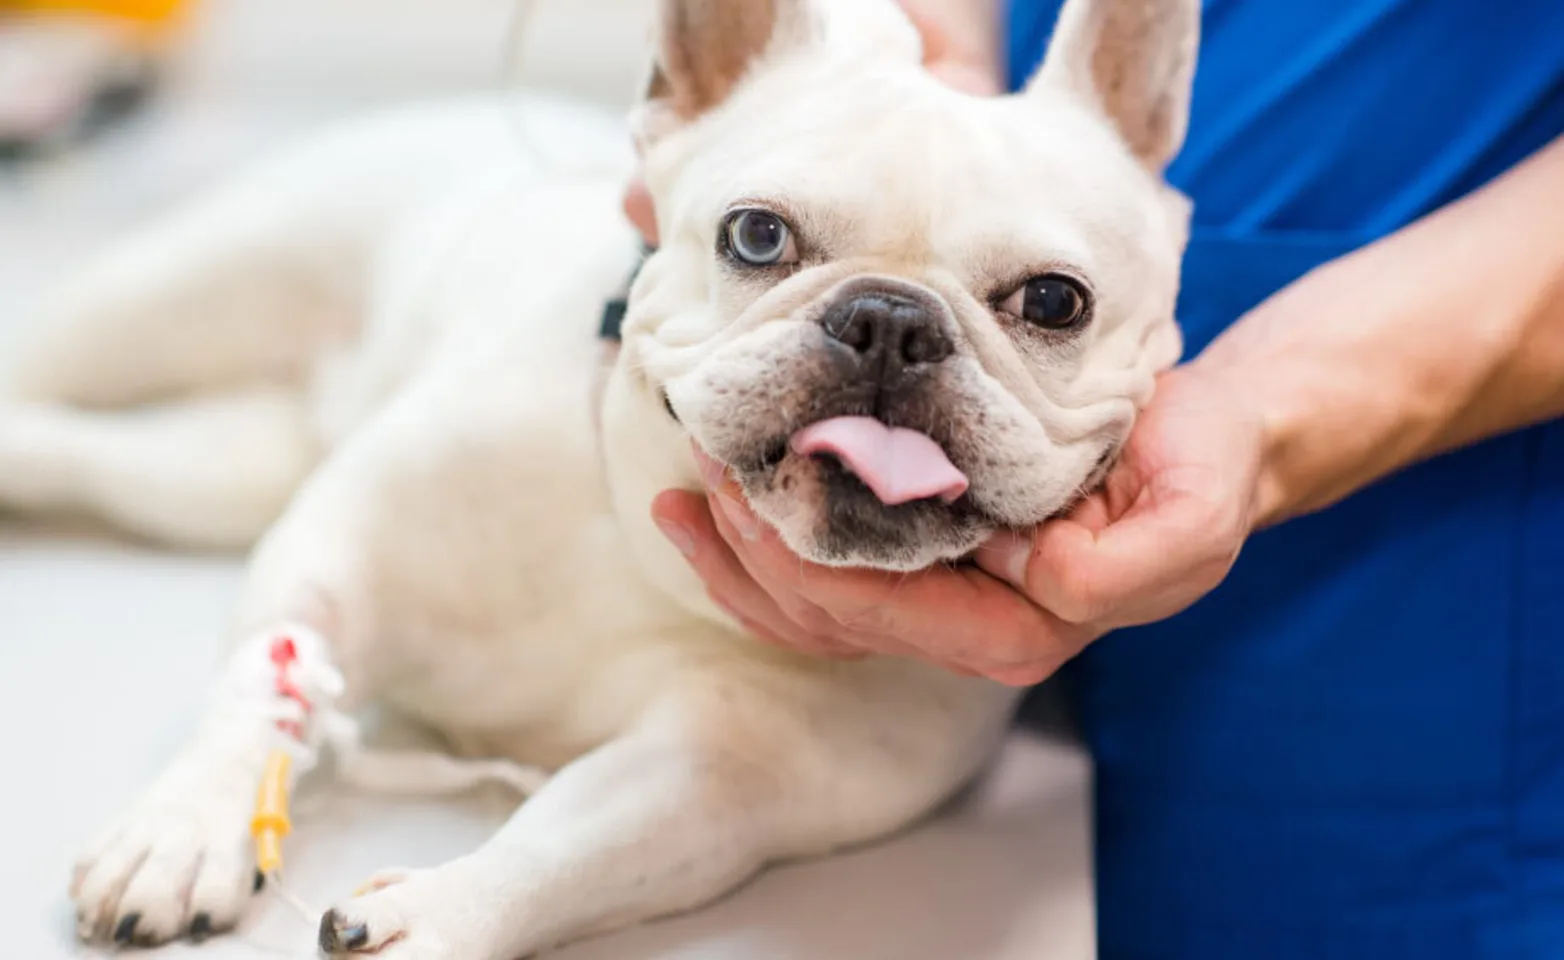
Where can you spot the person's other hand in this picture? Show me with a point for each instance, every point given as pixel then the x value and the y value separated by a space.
pixel 954 50
pixel 1162 531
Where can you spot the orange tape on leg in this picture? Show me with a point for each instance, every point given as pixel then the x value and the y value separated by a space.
pixel 271 823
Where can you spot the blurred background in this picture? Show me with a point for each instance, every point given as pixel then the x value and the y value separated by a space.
pixel 111 110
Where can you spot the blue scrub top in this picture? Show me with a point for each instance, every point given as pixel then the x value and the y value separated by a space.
pixel 1354 748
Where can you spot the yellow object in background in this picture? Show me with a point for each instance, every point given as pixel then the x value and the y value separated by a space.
pixel 153 19
pixel 147 11
pixel 68 67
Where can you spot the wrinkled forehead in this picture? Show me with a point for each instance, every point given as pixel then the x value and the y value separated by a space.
pixel 892 165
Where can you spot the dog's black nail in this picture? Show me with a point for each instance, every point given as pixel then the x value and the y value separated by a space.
pixel 127 928
pixel 355 936
pixel 260 881
pixel 328 932
pixel 335 940
pixel 201 927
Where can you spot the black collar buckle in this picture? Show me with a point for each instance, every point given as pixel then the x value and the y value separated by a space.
pixel 612 326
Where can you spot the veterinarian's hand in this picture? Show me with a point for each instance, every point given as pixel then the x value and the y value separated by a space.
pixel 960 43
pixel 1164 529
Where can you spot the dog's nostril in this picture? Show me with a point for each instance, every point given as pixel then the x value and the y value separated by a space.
pixel 922 343
pixel 855 329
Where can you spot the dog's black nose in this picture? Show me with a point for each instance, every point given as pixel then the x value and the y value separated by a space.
pixel 892 332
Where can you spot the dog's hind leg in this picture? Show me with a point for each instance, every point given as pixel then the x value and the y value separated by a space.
pixel 250 282
pixel 222 295
pixel 201 473
pixel 246 284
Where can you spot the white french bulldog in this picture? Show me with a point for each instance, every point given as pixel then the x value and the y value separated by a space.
pixel 904 316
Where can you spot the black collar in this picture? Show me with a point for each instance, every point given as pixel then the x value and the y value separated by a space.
pixel 612 326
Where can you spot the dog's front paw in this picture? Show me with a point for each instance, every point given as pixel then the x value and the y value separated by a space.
pixel 167 869
pixel 415 915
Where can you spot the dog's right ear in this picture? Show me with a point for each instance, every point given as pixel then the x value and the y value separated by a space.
pixel 705 47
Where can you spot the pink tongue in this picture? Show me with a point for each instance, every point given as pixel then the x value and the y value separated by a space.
pixel 899 465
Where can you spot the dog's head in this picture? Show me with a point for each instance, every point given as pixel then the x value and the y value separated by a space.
pixel 905 316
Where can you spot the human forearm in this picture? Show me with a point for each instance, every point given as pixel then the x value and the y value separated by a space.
pixel 1447 332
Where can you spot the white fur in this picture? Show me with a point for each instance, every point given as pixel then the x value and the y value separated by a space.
pixel 377 355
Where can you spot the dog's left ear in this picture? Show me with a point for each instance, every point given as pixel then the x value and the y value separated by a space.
pixel 1134 60
pixel 705 48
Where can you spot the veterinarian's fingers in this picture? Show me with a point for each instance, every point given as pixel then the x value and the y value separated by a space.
pixel 640 211
pixel 1093 512
pixel 810 646
pixel 789 620
pixel 952 618
pixel 956 620
pixel 989 627
pixel 687 521
pixel 960 620
pixel 795 623
pixel 1145 565
pixel 762 553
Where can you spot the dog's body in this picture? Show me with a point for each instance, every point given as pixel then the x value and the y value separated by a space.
pixel 388 339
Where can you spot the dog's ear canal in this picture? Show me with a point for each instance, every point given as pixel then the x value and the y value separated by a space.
pixel 1135 61
pixel 705 47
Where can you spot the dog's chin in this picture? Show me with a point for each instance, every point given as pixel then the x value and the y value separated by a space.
pixel 829 517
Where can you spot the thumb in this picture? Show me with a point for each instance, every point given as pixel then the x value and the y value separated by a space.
pixel 1062 566
pixel 1006 556
pixel 1032 560
pixel 1145 566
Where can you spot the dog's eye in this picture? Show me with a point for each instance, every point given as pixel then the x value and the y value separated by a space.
pixel 758 238
pixel 1052 301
